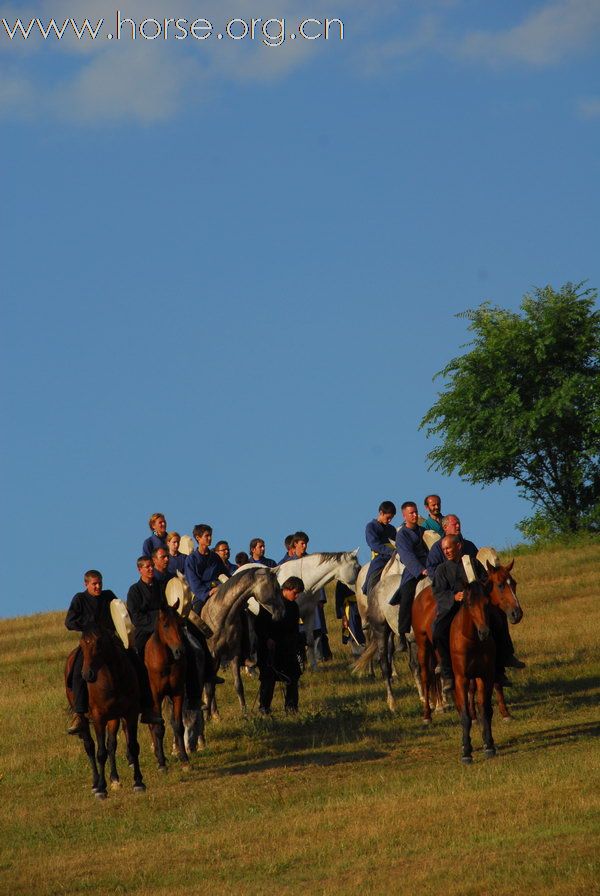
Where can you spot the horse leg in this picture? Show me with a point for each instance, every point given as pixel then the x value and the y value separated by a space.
pixel 472 708
pixel 384 662
pixel 461 691
pixel 238 683
pixel 90 749
pixel 423 665
pixel 502 707
pixel 485 712
pixel 177 725
pixel 111 742
pixel 130 726
pixel 101 756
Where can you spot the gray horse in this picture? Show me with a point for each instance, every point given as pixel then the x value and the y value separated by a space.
pixel 255 587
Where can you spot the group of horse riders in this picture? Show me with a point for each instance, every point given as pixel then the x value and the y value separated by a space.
pixel 277 645
pixel 441 562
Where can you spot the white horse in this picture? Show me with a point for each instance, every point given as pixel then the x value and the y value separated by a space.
pixel 316 571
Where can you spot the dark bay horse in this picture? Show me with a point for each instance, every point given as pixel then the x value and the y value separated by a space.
pixel 113 692
pixel 501 588
pixel 165 660
pixel 473 654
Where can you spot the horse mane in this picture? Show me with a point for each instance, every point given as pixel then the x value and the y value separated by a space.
pixel 326 556
pixel 234 581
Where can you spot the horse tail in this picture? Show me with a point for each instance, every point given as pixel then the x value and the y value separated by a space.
pixel 364 660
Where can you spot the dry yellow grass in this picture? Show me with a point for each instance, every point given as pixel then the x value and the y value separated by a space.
pixel 343 799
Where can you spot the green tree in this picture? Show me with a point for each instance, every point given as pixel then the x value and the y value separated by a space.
pixel 524 404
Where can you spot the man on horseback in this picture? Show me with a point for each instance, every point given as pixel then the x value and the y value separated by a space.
pixel 433 520
pixel 413 554
pixel 257 553
pixel 448 583
pixel 450 526
pixel 203 567
pixel 90 610
pixel 158 539
pixel 381 538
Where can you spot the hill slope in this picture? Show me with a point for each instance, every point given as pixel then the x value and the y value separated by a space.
pixel 343 799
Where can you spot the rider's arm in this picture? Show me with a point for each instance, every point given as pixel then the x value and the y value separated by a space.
pixel 373 537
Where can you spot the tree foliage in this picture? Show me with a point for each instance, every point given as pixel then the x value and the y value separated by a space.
pixel 524 404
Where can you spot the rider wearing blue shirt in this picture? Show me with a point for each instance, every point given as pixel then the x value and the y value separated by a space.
pixel 413 554
pixel 158 539
pixel 379 533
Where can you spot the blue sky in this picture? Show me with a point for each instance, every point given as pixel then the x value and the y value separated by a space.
pixel 230 271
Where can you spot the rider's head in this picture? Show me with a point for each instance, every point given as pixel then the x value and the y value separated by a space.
pixel 410 514
pixel 451 524
pixel 158 524
pixel 160 559
pixel 387 512
pixel 146 570
pixel 433 504
pixel 451 547
pixel 93 582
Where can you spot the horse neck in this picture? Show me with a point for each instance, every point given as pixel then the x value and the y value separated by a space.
pixel 466 623
pixel 314 573
pixel 225 606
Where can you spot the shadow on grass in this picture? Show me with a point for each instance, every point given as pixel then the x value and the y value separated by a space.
pixel 556 736
pixel 577 692
pixel 289 760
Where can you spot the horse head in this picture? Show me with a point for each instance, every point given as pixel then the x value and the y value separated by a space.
pixel 503 592
pixel 92 645
pixel 349 568
pixel 169 631
pixel 476 603
pixel 266 590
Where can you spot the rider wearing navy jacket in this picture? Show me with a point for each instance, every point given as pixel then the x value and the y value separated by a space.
pixel 451 526
pixel 158 539
pixel 413 554
pixel 257 553
pixel 379 533
pixel 203 567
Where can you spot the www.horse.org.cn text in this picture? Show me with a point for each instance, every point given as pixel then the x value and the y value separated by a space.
pixel 271 32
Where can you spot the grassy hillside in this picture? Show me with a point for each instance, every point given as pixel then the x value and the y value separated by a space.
pixel 343 799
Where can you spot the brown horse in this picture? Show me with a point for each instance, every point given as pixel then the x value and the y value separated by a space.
pixel 473 654
pixel 502 590
pixel 165 660
pixel 113 692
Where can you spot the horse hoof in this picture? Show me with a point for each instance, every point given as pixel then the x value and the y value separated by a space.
pixel 489 754
pixel 162 768
pixel 115 785
pixel 507 718
pixel 139 788
pixel 427 721
pixel 185 765
pixel 466 760
pixel 100 794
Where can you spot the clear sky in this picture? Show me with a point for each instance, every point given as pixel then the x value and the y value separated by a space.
pixel 231 270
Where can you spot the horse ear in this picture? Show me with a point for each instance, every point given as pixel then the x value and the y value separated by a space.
pixel 510 565
pixel 176 604
pixel 489 566
pixel 355 552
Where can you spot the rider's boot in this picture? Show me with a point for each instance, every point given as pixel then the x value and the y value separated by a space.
pixel 79 724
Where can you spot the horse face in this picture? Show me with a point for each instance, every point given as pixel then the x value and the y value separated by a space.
pixel 268 593
pixel 476 601
pixel 90 644
pixel 349 569
pixel 504 591
pixel 168 627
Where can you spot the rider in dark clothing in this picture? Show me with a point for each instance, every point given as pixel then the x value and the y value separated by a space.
pixel 90 610
pixel 448 583
pixel 380 536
